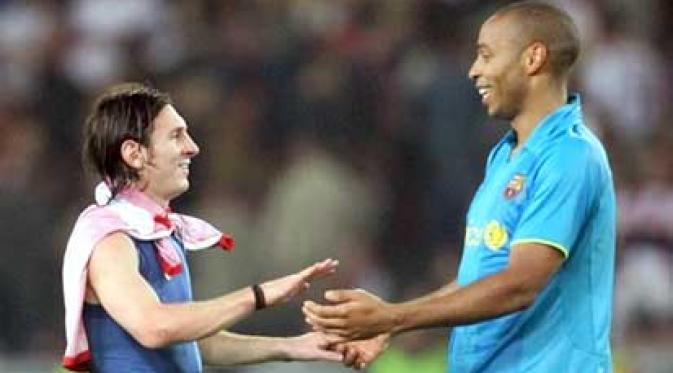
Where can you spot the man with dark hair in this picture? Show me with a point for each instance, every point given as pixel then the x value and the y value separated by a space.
pixel 534 287
pixel 126 282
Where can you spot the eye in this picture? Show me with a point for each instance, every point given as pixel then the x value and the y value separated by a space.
pixel 176 134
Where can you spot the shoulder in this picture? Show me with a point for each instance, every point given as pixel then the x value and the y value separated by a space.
pixel 115 240
pixel 100 217
pixel 114 250
pixel 92 225
pixel 575 150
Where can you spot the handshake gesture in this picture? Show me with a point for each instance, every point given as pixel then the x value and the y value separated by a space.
pixel 357 324
pixel 353 327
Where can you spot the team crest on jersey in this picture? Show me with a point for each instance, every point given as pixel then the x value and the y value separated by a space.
pixel 515 186
pixel 495 235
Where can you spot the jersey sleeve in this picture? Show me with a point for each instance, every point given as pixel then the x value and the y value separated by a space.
pixel 560 201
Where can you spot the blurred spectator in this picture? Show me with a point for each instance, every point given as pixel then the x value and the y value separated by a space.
pixel 623 77
pixel 644 300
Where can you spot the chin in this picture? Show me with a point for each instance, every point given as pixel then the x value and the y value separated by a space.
pixel 493 112
pixel 500 114
pixel 180 189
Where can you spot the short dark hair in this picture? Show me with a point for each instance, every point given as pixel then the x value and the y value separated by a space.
pixel 550 25
pixel 123 112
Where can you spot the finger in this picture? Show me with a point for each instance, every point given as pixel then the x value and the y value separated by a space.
pixel 334 340
pixel 314 326
pixel 339 347
pixel 324 311
pixel 340 296
pixel 326 267
pixel 350 357
pixel 330 356
pixel 344 334
pixel 317 326
pixel 329 263
pixel 326 323
pixel 310 319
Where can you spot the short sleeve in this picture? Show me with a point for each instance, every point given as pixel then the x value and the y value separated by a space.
pixel 560 201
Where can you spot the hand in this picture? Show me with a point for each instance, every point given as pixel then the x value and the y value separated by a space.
pixel 311 346
pixel 353 314
pixel 358 354
pixel 282 289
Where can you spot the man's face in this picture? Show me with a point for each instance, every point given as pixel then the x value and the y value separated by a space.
pixel 165 174
pixel 497 71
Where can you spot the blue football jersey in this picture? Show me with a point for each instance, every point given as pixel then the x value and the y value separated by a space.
pixel 558 191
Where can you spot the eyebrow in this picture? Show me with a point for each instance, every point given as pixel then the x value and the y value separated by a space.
pixel 178 129
pixel 483 47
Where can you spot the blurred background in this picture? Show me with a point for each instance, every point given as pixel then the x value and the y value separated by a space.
pixel 328 128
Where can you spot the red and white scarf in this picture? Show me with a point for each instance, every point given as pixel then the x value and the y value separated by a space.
pixel 135 214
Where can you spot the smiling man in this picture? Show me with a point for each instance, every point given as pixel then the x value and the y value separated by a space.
pixel 534 287
pixel 126 281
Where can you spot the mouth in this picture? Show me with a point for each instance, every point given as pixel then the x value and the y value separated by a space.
pixel 485 93
pixel 184 165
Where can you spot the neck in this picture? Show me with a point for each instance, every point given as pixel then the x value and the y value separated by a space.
pixel 539 103
pixel 147 194
pixel 164 203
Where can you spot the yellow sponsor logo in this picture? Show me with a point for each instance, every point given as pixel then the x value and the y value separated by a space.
pixel 473 236
pixel 495 235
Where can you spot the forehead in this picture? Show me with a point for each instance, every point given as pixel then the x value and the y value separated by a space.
pixel 500 32
pixel 168 120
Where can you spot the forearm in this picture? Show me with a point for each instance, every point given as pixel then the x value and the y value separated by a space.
pixel 177 322
pixel 490 297
pixel 226 348
pixel 439 293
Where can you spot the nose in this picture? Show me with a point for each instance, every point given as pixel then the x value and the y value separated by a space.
pixel 473 73
pixel 191 149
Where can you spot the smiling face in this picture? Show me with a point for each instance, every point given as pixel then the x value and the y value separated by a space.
pixel 498 70
pixel 165 172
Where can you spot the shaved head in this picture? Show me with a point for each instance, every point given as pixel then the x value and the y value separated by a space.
pixel 546 24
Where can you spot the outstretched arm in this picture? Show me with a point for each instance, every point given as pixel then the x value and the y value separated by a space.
pixel 356 314
pixel 131 301
pixel 359 354
pixel 226 348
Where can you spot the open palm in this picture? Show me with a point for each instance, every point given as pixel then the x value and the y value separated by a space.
pixel 282 289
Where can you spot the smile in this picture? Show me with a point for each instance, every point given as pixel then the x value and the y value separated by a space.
pixel 484 92
pixel 184 165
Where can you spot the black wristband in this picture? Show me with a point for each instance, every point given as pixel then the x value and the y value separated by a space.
pixel 260 301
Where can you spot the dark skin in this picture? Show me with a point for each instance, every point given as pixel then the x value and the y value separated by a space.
pixel 357 314
pixel 513 76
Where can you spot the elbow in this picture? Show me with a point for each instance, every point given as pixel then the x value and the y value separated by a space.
pixel 521 295
pixel 151 340
pixel 155 334
pixel 524 299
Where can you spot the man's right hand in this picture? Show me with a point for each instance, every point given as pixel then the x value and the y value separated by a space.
pixel 282 289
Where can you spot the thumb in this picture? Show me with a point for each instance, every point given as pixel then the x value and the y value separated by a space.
pixel 332 356
pixel 338 296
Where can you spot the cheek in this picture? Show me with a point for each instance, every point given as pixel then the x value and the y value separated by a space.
pixel 512 84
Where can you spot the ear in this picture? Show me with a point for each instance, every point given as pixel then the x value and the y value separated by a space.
pixel 133 154
pixel 535 57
